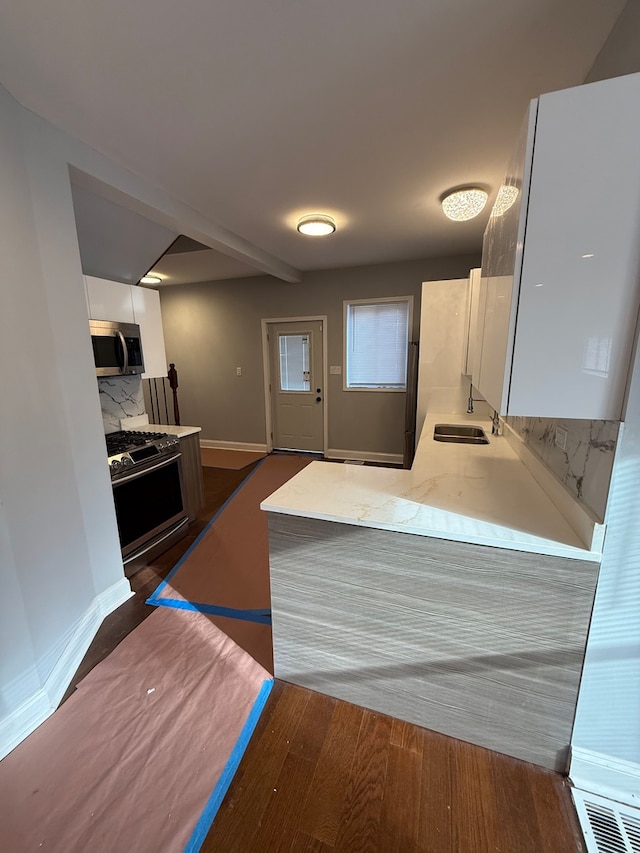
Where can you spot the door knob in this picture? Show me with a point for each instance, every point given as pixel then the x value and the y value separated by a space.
pixel 318 390
pixel 318 399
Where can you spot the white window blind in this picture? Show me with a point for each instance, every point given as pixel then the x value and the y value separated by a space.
pixel 377 338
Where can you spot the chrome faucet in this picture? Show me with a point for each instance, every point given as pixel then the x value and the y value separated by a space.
pixel 472 399
pixel 495 424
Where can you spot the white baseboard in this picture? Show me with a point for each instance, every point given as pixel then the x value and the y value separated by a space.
pixel 365 456
pixel 232 445
pixel 15 727
pixel 34 710
pixel 606 776
pixel 581 519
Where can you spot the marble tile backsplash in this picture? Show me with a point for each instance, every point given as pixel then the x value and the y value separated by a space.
pixel 120 397
pixel 585 464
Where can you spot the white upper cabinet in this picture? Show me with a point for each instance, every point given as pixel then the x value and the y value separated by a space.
pixel 475 314
pixel 108 300
pixel 125 303
pixel 146 310
pixel 561 266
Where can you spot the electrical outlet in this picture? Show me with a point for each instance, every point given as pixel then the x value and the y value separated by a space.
pixel 335 369
pixel 561 438
pixel 238 371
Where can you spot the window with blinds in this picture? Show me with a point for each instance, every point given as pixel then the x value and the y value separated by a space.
pixel 376 343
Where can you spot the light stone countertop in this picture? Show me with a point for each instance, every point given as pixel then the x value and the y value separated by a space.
pixel 179 431
pixel 468 493
pixel 135 423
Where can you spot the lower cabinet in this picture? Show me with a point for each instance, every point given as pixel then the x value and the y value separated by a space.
pixel 192 482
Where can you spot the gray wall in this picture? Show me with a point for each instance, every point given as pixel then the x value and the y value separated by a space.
pixel 621 51
pixel 57 548
pixel 60 563
pixel 214 327
pixel 606 736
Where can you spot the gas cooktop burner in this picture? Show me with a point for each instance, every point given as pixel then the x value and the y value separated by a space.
pixel 129 449
pixel 120 442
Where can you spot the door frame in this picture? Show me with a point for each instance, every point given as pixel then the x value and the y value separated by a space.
pixel 266 366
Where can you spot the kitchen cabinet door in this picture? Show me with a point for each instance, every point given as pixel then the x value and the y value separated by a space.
pixel 501 262
pixel 146 310
pixel 563 281
pixel 474 329
pixel 108 300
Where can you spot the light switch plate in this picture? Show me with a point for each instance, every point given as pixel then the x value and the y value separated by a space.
pixel 335 369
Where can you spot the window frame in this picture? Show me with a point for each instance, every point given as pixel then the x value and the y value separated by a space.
pixel 373 301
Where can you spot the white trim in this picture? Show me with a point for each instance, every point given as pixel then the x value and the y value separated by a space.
pixel 602 774
pixel 580 517
pixel 115 595
pixel 365 456
pixel 265 322
pixel 17 725
pixel 214 444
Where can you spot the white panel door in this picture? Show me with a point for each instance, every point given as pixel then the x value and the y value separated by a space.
pixel 297 395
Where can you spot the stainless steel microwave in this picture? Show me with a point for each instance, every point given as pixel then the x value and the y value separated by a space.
pixel 117 348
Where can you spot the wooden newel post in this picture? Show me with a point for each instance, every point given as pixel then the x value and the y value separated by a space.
pixel 172 375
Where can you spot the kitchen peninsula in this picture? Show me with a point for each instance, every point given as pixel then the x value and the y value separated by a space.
pixel 454 595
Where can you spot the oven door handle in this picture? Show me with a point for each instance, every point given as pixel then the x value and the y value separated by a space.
pixel 135 474
pixel 125 354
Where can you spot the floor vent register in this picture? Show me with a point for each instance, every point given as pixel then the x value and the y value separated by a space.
pixel 607 826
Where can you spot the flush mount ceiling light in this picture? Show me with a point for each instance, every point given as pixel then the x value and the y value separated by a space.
pixel 150 279
pixel 505 199
pixel 464 203
pixel 316 225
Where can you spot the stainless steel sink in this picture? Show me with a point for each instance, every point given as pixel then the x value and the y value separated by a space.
pixel 460 434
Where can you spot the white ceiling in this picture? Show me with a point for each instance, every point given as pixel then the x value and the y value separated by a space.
pixel 255 112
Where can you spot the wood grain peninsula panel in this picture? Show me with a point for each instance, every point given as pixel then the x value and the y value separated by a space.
pixel 192 478
pixel 482 644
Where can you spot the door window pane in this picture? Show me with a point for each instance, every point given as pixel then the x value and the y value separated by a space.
pixel 294 362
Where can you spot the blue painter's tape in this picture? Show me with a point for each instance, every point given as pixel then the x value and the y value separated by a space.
pixel 217 796
pixel 263 616
pixel 153 598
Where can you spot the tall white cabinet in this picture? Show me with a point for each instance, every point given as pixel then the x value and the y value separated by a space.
pixel 561 267
pixel 146 313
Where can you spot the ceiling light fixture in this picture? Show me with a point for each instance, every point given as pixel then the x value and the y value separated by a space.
pixel 464 203
pixel 150 279
pixel 316 225
pixel 506 198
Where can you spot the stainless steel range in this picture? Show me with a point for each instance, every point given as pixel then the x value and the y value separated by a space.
pixel 147 491
pixel 126 449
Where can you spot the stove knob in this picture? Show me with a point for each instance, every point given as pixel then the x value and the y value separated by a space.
pixel 127 461
pixel 115 465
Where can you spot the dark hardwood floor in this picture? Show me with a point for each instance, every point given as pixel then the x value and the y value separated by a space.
pixel 322 775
